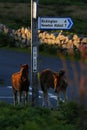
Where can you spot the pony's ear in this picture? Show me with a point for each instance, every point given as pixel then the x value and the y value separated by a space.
pixel 61 72
pixel 27 65
pixel 20 65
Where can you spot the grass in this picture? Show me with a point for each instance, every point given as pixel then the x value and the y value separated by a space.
pixel 24 50
pixel 47 1
pixel 26 117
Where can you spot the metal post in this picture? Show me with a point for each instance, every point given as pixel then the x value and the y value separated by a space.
pixel 34 52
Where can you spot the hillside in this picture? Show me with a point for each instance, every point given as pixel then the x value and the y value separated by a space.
pixel 16 15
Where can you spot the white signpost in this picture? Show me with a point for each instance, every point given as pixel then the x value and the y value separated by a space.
pixel 54 23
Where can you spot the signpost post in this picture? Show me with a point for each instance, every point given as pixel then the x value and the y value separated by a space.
pixel 34 52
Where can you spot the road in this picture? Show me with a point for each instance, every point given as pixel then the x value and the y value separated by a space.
pixel 76 73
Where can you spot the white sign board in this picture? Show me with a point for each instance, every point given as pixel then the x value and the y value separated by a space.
pixel 54 23
pixel 34 59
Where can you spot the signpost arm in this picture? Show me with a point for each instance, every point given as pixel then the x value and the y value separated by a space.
pixel 34 52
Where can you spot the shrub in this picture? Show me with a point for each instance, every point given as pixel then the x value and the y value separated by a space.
pixel 69 110
pixel 6 40
pixel 51 49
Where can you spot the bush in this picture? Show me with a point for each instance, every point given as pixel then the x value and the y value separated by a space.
pixel 51 49
pixel 6 40
pixel 70 111
pixel 70 117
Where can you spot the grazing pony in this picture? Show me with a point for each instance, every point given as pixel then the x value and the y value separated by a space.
pixel 55 80
pixel 20 83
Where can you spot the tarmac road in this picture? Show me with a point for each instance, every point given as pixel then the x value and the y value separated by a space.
pixel 76 73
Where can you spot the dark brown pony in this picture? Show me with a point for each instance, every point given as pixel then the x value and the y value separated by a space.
pixel 55 80
pixel 20 83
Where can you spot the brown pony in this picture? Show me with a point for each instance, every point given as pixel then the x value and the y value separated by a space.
pixel 20 83
pixel 55 80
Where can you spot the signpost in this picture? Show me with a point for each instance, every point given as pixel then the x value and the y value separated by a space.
pixel 54 23
pixel 34 52
pixel 41 23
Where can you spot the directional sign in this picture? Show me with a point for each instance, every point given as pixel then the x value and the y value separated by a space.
pixel 54 23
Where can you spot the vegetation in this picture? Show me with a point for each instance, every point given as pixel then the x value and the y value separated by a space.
pixel 17 13
pixel 71 116
pixel 46 1
pixel 7 42
pixel 58 51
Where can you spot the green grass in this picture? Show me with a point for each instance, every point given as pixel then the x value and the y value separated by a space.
pixel 47 1
pixel 26 117
pixel 79 26
pixel 24 50
pixel 16 1
pixel 63 2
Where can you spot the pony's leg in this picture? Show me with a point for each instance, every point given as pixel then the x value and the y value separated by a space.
pixel 14 96
pixel 44 99
pixel 65 95
pixel 19 97
pixel 26 97
pixel 48 100
pixel 58 98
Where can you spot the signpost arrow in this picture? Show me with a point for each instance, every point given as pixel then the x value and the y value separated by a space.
pixel 45 23
pixel 70 23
